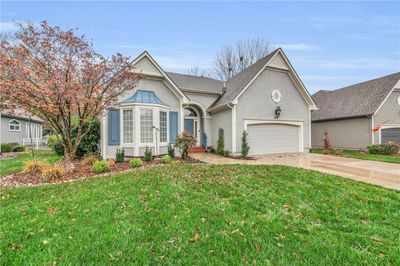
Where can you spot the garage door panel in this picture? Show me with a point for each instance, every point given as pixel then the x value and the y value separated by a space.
pixel 390 134
pixel 273 138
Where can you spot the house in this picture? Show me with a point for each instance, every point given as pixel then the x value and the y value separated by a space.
pixel 359 115
pixel 267 99
pixel 18 127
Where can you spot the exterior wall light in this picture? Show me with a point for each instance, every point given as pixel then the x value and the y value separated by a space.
pixel 278 111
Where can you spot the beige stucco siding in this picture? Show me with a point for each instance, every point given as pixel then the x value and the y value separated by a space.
pixel 223 120
pixel 204 100
pixel 389 113
pixel 351 133
pixel 256 103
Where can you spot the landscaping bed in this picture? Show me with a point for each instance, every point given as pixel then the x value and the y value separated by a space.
pixel 78 169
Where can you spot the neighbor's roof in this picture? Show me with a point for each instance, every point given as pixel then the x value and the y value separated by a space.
pixel 189 83
pixel 361 99
pixel 141 96
pixel 237 83
pixel 21 114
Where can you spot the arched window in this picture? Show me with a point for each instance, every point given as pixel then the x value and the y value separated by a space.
pixel 190 112
pixel 14 125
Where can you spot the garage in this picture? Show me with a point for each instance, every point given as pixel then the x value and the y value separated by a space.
pixel 390 134
pixel 274 138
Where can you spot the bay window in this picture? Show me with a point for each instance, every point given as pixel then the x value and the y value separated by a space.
pixel 146 126
pixel 163 126
pixel 127 126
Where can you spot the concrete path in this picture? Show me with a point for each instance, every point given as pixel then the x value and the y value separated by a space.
pixel 378 173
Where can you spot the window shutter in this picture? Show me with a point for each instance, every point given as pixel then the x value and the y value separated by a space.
pixel 173 126
pixel 113 127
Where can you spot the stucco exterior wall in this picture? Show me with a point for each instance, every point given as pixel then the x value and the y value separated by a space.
pixel 352 133
pixel 389 113
pixel 223 120
pixel 8 136
pixel 256 103
pixel 165 94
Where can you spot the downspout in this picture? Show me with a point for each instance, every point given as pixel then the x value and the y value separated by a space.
pixel 372 126
pixel 232 106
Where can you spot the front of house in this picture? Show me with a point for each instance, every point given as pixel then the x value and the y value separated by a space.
pixel 267 99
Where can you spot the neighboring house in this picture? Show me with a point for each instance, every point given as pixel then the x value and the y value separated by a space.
pixel 350 114
pixel 267 99
pixel 14 128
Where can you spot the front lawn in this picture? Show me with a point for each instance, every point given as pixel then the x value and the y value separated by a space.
pixel 14 165
pixel 202 214
pixel 364 156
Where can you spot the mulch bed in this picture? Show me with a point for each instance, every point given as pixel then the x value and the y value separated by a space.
pixel 76 170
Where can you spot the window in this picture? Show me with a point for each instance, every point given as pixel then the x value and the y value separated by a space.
pixel 163 126
pixel 127 126
pixel 146 126
pixel 35 130
pixel 190 112
pixel 14 125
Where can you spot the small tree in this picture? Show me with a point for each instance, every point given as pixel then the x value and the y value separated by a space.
pixel 245 146
pixel 220 142
pixel 57 76
pixel 327 141
pixel 183 143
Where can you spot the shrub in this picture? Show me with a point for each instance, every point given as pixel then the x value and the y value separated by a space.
pixel 6 147
pixel 19 148
pixel 101 167
pixel 171 150
pixel 166 159
pixel 35 166
pixel 148 156
pixel 227 153
pixel 58 148
pixel 384 149
pixel 183 143
pixel 120 156
pixel 111 162
pixel 90 160
pixel 373 149
pixel 176 162
pixel 52 139
pixel 245 146
pixel 53 172
pixel 89 141
pixel 220 142
pixel 136 162
pixel 327 141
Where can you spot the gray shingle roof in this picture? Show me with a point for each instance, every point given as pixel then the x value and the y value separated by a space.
pixel 195 83
pixel 361 99
pixel 237 83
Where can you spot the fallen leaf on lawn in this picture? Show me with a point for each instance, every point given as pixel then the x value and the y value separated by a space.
pixel 363 222
pixel 45 242
pixel 264 215
pixel 281 245
pixel 52 211
pixel 194 238
pixel 287 206
pixel 41 230
pixel 381 255
pixel 258 247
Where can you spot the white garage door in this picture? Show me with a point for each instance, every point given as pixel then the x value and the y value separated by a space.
pixel 273 138
pixel 390 134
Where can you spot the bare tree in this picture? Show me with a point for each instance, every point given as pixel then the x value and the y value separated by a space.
pixel 235 58
pixel 194 71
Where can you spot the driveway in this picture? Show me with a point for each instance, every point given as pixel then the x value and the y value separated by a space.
pixel 377 173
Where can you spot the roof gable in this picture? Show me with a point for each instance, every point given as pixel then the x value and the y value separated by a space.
pixel 360 99
pixel 236 85
pixel 145 64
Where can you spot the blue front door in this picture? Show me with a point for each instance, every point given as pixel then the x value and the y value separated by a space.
pixel 189 126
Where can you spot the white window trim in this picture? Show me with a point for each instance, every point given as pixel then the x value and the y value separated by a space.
pixel 385 127
pixel 121 127
pixel 299 124
pixel 14 130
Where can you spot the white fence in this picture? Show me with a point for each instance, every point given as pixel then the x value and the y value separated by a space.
pixel 35 143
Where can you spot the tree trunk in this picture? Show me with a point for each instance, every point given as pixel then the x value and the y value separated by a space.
pixel 69 153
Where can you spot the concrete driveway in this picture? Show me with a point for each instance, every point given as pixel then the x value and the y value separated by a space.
pixel 378 173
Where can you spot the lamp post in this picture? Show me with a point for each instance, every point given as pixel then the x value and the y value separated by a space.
pixel 156 148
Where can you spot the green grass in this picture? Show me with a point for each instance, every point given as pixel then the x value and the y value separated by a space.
pixel 202 214
pixel 14 165
pixel 364 156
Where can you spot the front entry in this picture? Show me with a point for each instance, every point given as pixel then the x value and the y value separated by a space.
pixel 192 123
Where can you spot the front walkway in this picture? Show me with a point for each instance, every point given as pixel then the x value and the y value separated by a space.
pixel 377 173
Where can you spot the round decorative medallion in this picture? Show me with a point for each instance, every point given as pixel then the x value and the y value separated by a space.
pixel 276 96
pixel 398 101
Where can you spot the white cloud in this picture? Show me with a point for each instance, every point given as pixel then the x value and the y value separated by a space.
pixel 7 26
pixel 298 47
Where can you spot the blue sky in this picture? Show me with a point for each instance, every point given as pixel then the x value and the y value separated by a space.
pixel 330 44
